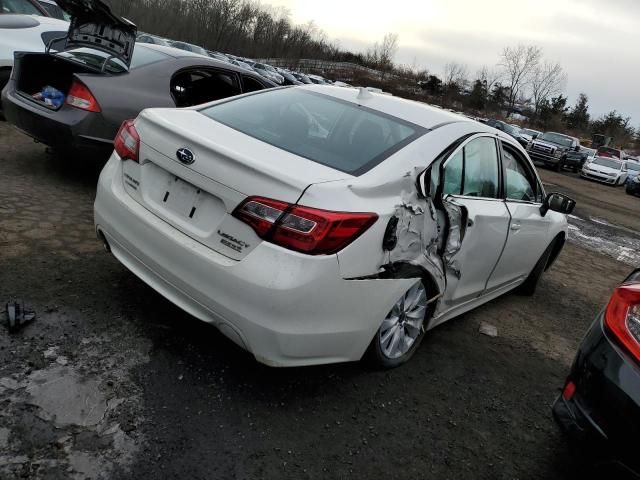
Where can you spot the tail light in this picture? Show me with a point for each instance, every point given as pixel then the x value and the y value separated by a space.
pixel 622 317
pixel 127 142
pixel 569 390
pixel 303 229
pixel 80 96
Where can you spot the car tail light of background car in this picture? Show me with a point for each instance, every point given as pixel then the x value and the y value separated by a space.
pixel 80 96
pixel 127 142
pixel 622 318
pixel 303 229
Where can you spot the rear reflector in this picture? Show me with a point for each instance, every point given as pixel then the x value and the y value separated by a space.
pixel 303 229
pixel 80 96
pixel 569 390
pixel 622 317
pixel 127 142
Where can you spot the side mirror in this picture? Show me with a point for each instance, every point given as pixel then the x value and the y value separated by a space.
pixel 577 148
pixel 557 202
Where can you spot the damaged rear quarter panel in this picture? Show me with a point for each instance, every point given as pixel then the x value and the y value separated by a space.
pixel 390 190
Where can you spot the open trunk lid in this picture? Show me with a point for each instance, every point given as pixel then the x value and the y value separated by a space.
pixel 93 25
pixel 193 172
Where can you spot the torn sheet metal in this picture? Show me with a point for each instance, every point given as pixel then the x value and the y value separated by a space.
pixel 418 233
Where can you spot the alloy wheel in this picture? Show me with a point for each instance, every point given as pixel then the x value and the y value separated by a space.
pixel 404 323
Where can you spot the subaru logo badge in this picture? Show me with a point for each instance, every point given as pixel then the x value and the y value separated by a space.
pixel 185 156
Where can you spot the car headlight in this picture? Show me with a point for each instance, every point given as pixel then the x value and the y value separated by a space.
pixel 636 179
pixel 558 153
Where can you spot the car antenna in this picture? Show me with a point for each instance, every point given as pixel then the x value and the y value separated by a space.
pixel 364 94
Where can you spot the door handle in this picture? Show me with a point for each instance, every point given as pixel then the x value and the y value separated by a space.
pixel 515 227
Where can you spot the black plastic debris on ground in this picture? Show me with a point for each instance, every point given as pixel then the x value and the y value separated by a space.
pixel 17 316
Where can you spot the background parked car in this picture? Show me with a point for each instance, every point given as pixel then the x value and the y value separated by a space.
pixel 100 89
pixel 589 152
pixel 611 152
pixel 532 133
pixel 26 33
pixel 633 187
pixel 189 47
pixel 267 72
pixel 600 404
pixel 605 170
pixel 633 170
pixel 511 130
pixel 557 151
pixel 302 78
pixel 153 40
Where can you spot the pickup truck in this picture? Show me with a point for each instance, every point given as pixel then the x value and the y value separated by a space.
pixel 556 150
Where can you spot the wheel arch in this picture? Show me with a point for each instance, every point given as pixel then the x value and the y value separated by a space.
pixel 558 245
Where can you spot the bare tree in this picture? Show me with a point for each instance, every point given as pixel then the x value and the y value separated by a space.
pixel 518 64
pixel 488 77
pixel 388 49
pixel 455 75
pixel 547 79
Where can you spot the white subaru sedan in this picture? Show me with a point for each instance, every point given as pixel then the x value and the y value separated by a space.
pixel 320 224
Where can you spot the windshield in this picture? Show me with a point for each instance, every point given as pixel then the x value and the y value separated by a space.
pixel 321 128
pixel 533 133
pixel 605 162
pixel 557 139
pixel 633 166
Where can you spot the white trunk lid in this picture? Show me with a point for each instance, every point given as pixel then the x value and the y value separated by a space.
pixel 227 167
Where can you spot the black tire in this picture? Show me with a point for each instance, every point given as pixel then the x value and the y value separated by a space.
pixel 558 166
pixel 529 286
pixel 377 358
pixel 4 78
pixel 575 169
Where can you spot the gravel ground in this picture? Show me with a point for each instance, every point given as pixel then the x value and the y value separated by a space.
pixel 112 381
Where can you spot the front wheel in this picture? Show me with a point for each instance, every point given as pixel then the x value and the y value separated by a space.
pixel 402 330
pixel 531 283
pixel 558 166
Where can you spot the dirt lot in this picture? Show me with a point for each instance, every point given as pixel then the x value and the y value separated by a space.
pixel 112 381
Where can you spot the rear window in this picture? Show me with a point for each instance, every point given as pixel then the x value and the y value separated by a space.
pixel 609 152
pixel 102 61
pixel 321 128
pixel 18 6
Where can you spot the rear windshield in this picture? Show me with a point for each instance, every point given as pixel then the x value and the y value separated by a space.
pixel 102 61
pixel 605 162
pixel 333 132
pixel 609 152
pixel 18 6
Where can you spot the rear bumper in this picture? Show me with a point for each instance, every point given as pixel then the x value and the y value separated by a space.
pixel 604 413
pixel 286 308
pixel 67 128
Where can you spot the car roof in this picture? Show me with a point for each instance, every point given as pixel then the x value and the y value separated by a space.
pixel 415 112
pixel 213 62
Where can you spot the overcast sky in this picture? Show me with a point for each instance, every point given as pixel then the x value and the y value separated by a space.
pixel 596 41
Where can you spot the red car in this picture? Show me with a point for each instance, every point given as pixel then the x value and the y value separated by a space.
pixel 609 152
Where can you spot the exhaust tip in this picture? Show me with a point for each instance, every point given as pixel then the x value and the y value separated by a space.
pixel 103 239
